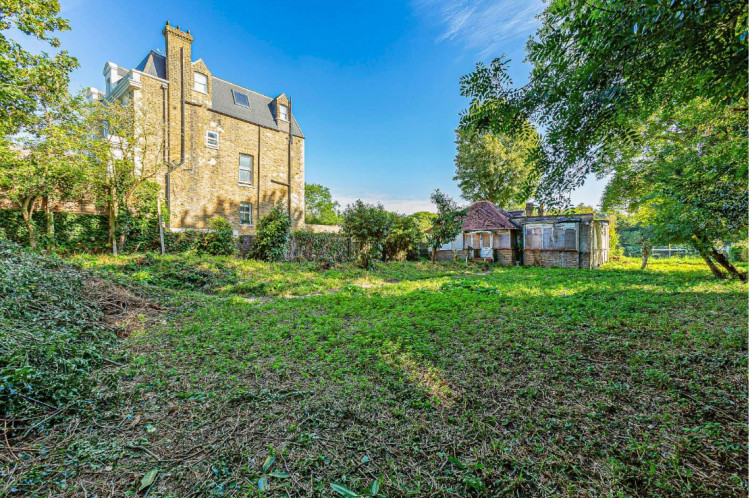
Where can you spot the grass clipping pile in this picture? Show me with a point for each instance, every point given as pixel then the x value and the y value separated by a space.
pixel 59 332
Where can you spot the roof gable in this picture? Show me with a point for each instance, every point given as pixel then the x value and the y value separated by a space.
pixel 484 215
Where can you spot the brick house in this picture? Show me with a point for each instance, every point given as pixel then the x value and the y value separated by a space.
pixel 227 151
pixel 521 237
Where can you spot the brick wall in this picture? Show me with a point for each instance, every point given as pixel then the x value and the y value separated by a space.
pixel 566 259
pixel 207 184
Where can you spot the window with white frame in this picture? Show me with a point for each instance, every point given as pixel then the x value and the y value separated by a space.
pixel 200 82
pixel 283 112
pixel 246 169
pixel 212 140
pixel 246 213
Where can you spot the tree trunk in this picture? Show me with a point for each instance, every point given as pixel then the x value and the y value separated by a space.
pixel 723 261
pixel 646 249
pixel 707 258
pixel 113 208
pixel 50 222
pixel 434 254
pixel 27 211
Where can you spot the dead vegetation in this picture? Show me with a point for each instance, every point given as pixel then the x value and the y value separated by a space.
pixel 123 309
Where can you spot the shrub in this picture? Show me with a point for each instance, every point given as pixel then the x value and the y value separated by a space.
pixel 403 237
pixel 738 252
pixel 306 245
pixel 272 235
pixel 52 337
pixel 219 240
pixel 183 241
pixel 369 225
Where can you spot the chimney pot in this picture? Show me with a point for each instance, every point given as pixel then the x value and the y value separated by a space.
pixel 541 209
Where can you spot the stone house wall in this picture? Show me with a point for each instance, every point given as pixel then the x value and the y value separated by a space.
pixel 207 184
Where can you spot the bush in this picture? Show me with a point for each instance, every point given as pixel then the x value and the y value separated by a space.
pixel 402 240
pixel 738 252
pixel 52 337
pixel 220 240
pixel 367 224
pixel 272 235
pixel 182 241
pixel 73 232
pixel 306 245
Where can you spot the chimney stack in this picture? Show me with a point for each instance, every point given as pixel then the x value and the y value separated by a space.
pixel 529 209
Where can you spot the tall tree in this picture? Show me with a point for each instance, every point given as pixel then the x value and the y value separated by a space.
pixel 28 79
pixel 45 163
pixel 689 179
pixel 126 155
pixel 501 169
pixel 600 67
pixel 448 222
pixel 320 208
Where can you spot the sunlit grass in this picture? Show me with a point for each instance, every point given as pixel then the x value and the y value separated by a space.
pixel 449 379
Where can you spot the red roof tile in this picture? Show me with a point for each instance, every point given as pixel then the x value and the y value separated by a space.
pixel 484 215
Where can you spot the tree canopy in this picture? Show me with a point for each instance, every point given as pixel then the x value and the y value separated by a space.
pixel 600 67
pixel 28 79
pixel 501 169
pixel 320 208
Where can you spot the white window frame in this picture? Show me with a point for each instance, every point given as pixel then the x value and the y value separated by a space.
pixel 240 169
pixel 249 207
pixel 203 84
pixel 284 116
pixel 212 139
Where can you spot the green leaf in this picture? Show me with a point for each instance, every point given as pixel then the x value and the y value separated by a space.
pixel 269 461
pixel 148 479
pixel 374 487
pixel 343 490
pixel 279 474
pixel 262 484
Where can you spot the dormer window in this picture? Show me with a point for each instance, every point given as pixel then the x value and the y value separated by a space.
pixel 283 112
pixel 200 82
pixel 241 99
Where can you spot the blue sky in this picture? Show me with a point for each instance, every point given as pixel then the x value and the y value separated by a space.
pixel 374 84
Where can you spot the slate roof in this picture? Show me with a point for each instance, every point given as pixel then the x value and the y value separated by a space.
pixel 484 215
pixel 154 64
pixel 261 111
pixel 262 108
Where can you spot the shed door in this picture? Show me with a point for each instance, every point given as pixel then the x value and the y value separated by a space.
pixel 485 246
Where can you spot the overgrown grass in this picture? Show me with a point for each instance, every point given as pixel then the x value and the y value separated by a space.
pixel 430 380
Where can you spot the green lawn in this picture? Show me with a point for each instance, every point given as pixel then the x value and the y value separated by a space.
pixel 429 379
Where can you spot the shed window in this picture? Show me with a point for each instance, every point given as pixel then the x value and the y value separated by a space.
pixel 200 82
pixel 241 99
pixel 212 139
pixel 246 213
pixel 246 168
pixel 502 240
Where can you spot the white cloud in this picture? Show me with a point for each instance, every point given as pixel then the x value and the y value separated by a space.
pixel 485 26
